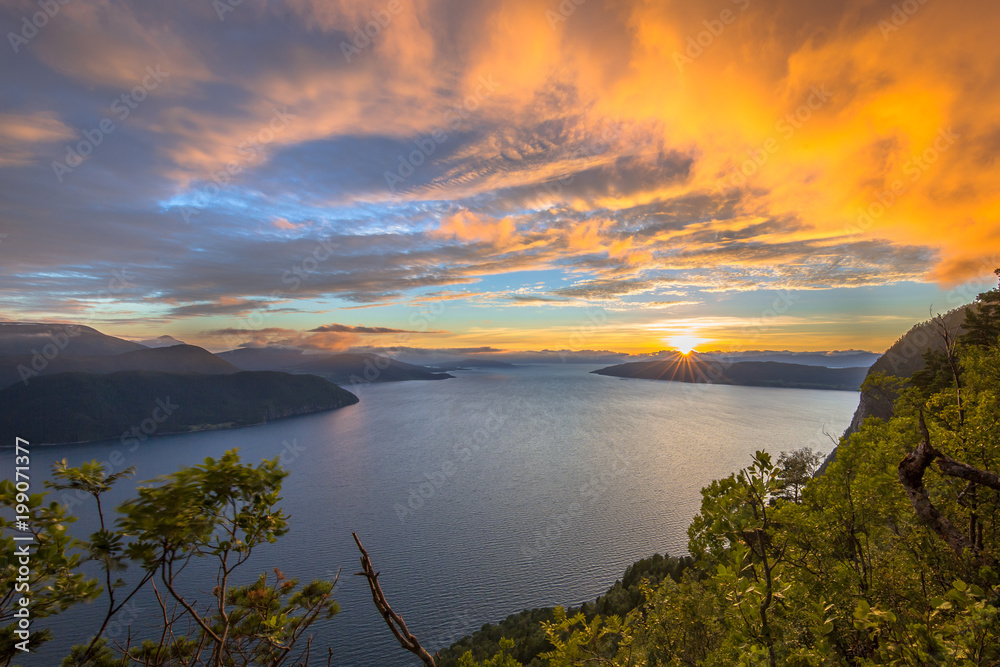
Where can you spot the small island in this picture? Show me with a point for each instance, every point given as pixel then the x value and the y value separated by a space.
pixel 693 368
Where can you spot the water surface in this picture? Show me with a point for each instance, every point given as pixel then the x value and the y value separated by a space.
pixel 480 496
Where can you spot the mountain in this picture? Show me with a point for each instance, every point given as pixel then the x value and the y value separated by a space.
pixel 133 405
pixel 51 340
pixel 339 368
pixel 175 359
pixel 264 358
pixel 364 368
pixel 697 368
pixel 838 359
pixel 161 341
pixel 473 363
pixel 904 358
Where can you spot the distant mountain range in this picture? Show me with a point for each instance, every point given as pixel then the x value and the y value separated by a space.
pixel 175 359
pixel 473 362
pixel 450 361
pixel 347 368
pixel 29 351
pixel 161 341
pixel 72 383
pixel 839 359
pixel 700 368
pixel 73 339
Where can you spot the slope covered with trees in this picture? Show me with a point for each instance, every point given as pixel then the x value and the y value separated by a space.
pixel 134 405
pixel 345 369
pixel 172 359
pixel 890 557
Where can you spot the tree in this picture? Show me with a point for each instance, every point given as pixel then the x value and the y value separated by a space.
pixel 736 528
pixel 983 320
pixel 795 469
pixel 52 583
pixel 220 511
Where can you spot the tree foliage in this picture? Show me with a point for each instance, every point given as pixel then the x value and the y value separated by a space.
pixel 219 512
pixel 852 567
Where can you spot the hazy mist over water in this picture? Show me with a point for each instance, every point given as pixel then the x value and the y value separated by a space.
pixel 480 496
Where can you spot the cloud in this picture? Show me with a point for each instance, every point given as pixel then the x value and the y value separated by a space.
pixel 607 289
pixel 117 44
pixel 25 137
pixel 224 306
pixel 429 351
pixel 343 328
pixel 806 147
pixel 534 298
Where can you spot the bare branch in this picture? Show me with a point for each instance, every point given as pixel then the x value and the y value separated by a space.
pixel 392 619
pixel 911 476
pixel 953 468
pixel 949 348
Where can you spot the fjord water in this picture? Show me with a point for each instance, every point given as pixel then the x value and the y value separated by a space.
pixel 479 496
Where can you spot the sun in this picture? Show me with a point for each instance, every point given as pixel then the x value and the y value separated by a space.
pixel 685 343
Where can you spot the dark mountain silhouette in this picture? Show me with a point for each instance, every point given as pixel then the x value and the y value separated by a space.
pixel 473 363
pixel 175 359
pixel 840 359
pixel 265 358
pixel 134 405
pixel 363 368
pixel 340 368
pixel 696 368
pixel 64 339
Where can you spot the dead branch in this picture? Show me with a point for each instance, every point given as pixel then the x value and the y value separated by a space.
pixel 953 468
pixel 949 349
pixel 392 619
pixel 911 476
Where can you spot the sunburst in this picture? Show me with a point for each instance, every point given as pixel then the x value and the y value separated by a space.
pixel 686 342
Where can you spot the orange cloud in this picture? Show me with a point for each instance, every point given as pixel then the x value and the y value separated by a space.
pixel 848 121
pixel 24 136
pixel 467 226
pixel 107 43
pixel 283 224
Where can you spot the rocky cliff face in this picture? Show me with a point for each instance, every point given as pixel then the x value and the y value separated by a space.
pixel 903 359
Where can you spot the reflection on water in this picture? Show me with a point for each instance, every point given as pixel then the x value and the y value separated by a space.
pixel 486 494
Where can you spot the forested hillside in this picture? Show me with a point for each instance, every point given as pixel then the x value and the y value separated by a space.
pixel 134 405
pixel 890 557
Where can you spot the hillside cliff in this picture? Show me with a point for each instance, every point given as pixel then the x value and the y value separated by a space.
pixel 903 358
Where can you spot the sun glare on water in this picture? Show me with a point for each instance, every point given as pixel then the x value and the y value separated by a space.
pixel 685 343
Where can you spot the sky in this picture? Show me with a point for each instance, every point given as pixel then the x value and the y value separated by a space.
pixel 471 175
